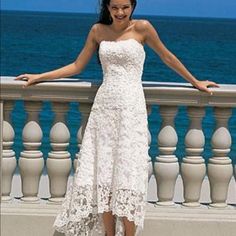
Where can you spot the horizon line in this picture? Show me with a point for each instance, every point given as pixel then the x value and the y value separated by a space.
pixel 71 12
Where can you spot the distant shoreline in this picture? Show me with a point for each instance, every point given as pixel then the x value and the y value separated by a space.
pixel 138 15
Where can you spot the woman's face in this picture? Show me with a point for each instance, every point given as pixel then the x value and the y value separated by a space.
pixel 120 10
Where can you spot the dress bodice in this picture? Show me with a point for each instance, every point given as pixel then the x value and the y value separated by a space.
pixel 122 59
pixel 122 63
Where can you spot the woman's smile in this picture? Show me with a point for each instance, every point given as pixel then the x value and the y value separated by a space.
pixel 120 17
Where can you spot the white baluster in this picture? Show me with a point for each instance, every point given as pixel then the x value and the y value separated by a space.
pixel 220 169
pixel 58 161
pixel 8 155
pixel 193 168
pixel 166 167
pixel 150 168
pixel 85 109
pixel 31 160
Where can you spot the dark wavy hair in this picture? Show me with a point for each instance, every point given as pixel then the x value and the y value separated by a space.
pixel 104 16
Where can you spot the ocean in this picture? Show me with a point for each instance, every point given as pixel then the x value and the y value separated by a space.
pixel 35 42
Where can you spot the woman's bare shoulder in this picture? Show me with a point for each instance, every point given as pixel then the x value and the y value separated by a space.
pixel 99 26
pixel 141 25
pixel 97 30
pixel 100 31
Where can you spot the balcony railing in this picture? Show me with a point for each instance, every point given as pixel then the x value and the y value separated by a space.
pixel 210 185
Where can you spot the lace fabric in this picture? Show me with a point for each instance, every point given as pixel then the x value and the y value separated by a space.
pixel 112 169
pixel 81 215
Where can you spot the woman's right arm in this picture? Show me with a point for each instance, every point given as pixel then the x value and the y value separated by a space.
pixel 69 70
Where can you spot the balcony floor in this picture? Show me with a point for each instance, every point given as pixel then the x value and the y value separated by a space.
pixel 20 219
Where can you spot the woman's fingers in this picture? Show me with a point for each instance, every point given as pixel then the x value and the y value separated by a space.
pixel 29 78
pixel 20 77
pixel 203 86
pixel 211 83
pixel 26 85
pixel 23 77
pixel 207 90
pixel 29 82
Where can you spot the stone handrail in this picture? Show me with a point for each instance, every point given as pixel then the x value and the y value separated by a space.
pixel 80 90
pixel 166 167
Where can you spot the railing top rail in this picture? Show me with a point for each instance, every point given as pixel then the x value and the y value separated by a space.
pixel 84 90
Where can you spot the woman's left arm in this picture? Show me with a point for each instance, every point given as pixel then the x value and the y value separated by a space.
pixel 152 40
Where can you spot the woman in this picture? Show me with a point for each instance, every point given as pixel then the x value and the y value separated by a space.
pixel 109 188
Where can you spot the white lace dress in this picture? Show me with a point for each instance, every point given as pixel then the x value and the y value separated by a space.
pixel 113 158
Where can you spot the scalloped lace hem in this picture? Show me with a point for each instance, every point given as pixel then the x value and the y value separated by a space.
pixel 81 216
pixel 97 228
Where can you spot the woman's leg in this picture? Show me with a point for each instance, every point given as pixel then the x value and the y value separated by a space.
pixel 129 227
pixel 109 223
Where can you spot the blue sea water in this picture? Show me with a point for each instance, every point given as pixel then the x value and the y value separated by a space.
pixel 34 42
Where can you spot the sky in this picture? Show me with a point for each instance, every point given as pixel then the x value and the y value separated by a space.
pixel 195 8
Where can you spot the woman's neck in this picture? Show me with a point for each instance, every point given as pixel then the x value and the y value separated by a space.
pixel 119 28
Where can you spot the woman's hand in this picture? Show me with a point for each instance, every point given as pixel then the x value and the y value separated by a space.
pixel 30 78
pixel 203 85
